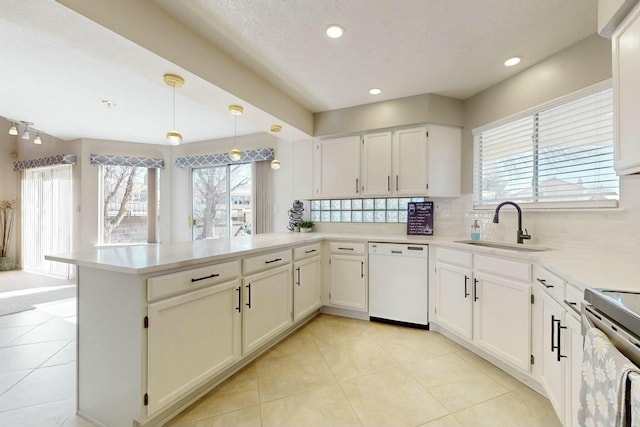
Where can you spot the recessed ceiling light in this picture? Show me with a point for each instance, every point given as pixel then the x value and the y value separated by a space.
pixel 109 103
pixel 335 31
pixel 512 61
pixel 375 91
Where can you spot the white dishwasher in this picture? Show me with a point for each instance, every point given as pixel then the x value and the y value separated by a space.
pixel 398 283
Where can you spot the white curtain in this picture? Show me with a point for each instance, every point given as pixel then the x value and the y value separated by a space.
pixel 47 209
pixel 263 193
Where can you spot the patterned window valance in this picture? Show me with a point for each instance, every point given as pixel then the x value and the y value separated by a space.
pixel 224 159
pixel 59 159
pixel 114 160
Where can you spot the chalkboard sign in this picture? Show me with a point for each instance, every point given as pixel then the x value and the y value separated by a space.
pixel 420 219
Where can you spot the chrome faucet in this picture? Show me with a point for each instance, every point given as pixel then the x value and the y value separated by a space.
pixel 521 236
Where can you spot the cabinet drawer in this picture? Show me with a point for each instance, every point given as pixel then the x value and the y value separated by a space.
pixel 347 248
pixel 268 260
pixel 451 256
pixel 306 251
pixel 169 284
pixel 552 284
pixel 520 271
pixel 573 297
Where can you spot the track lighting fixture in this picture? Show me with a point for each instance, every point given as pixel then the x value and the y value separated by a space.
pixel 25 132
pixel 173 136
pixel 37 140
pixel 13 130
pixel 235 110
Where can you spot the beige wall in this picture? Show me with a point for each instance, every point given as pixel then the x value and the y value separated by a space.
pixel 412 110
pixel 583 64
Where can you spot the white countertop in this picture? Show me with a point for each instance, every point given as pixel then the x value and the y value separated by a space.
pixel 582 268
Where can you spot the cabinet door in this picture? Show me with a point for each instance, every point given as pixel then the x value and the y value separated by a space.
pixel 348 282
pixel 552 368
pixel 338 167
pixel 573 335
pixel 502 319
pixel 626 69
pixel 376 164
pixel 454 299
pixel 443 161
pixel 306 287
pixel 267 307
pixel 410 161
pixel 190 338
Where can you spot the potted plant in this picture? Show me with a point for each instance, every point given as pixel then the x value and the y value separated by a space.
pixel 7 209
pixel 305 226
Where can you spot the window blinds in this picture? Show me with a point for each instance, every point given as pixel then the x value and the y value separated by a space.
pixel 557 156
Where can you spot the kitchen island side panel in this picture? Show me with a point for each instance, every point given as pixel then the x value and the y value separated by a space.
pixel 111 338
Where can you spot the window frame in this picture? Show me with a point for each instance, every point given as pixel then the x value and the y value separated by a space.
pixel 534 113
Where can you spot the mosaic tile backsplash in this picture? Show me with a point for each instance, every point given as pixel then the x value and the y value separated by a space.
pixel 388 210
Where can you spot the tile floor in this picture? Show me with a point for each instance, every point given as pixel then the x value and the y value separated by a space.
pixel 345 372
pixel 332 372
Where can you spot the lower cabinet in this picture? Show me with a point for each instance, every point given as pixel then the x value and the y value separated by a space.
pixel 267 307
pixel 306 287
pixel 553 364
pixel 191 337
pixel 348 282
pixel 486 301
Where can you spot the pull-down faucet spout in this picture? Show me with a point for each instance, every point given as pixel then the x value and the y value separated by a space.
pixel 521 236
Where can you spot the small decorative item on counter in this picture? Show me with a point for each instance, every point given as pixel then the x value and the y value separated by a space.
pixel 296 227
pixel 306 226
pixel 475 230
pixel 295 214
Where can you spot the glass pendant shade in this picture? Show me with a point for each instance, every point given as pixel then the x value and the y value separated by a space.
pixel 235 154
pixel 13 130
pixel 235 111
pixel 25 134
pixel 37 140
pixel 174 137
pixel 275 164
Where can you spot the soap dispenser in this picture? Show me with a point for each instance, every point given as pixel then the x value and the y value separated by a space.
pixel 475 230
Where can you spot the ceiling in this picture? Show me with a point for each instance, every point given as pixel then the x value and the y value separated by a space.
pixel 58 65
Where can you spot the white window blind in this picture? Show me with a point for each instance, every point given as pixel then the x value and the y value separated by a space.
pixel 556 156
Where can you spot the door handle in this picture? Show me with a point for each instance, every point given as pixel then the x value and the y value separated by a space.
pixel 298 270
pixel 553 332
pixel 475 290
pixel 211 276
pixel 466 279
pixel 273 260
pixel 544 283
pixel 560 355
pixel 249 299
pixel 362 269
pixel 239 289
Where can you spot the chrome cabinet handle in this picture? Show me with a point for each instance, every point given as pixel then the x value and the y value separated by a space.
pixel 466 279
pixel 298 270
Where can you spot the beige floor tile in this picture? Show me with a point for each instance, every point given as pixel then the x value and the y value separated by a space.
pixel 356 358
pixel 42 385
pixel 247 417
pixel 52 330
pixel 215 403
pixel 440 370
pixel 28 356
pixel 467 392
pixel 51 414
pixel 448 421
pixel 66 355
pixel 301 340
pixel 416 345
pixel 327 330
pixel 9 334
pixel 325 406
pixel 290 374
pixel 77 421
pixel 26 318
pixel 494 372
pixel 391 398
pixel 245 380
pixel 522 407
pixel 9 379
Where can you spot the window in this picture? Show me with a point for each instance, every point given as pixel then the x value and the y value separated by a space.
pixel 128 214
pixel 222 201
pixel 559 155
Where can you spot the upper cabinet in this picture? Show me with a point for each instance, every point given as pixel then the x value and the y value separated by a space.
pixel 421 161
pixel 338 167
pixel 626 92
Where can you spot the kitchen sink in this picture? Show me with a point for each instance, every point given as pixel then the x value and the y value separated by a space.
pixel 506 246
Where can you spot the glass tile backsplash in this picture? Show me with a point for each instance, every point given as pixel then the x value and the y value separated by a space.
pixel 362 210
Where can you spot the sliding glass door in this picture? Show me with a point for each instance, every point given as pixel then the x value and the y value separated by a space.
pixel 47 209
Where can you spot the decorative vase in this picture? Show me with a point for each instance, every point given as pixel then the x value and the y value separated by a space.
pixel 305 230
pixel 6 264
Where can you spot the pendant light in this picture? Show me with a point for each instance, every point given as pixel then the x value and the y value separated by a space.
pixel 275 163
pixel 13 130
pixel 173 136
pixel 235 110
pixel 25 132
pixel 37 140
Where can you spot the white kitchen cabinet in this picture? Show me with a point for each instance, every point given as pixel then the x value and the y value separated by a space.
pixel 454 300
pixel 337 173
pixel 267 309
pixel 574 374
pixel 486 301
pixel 444 157
pixel 348 282
pixel 553 370
pixel 306 287
pixel 376 164
pixel 502 313
pixel 410 161
pixel 626 90
pixel 191 337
